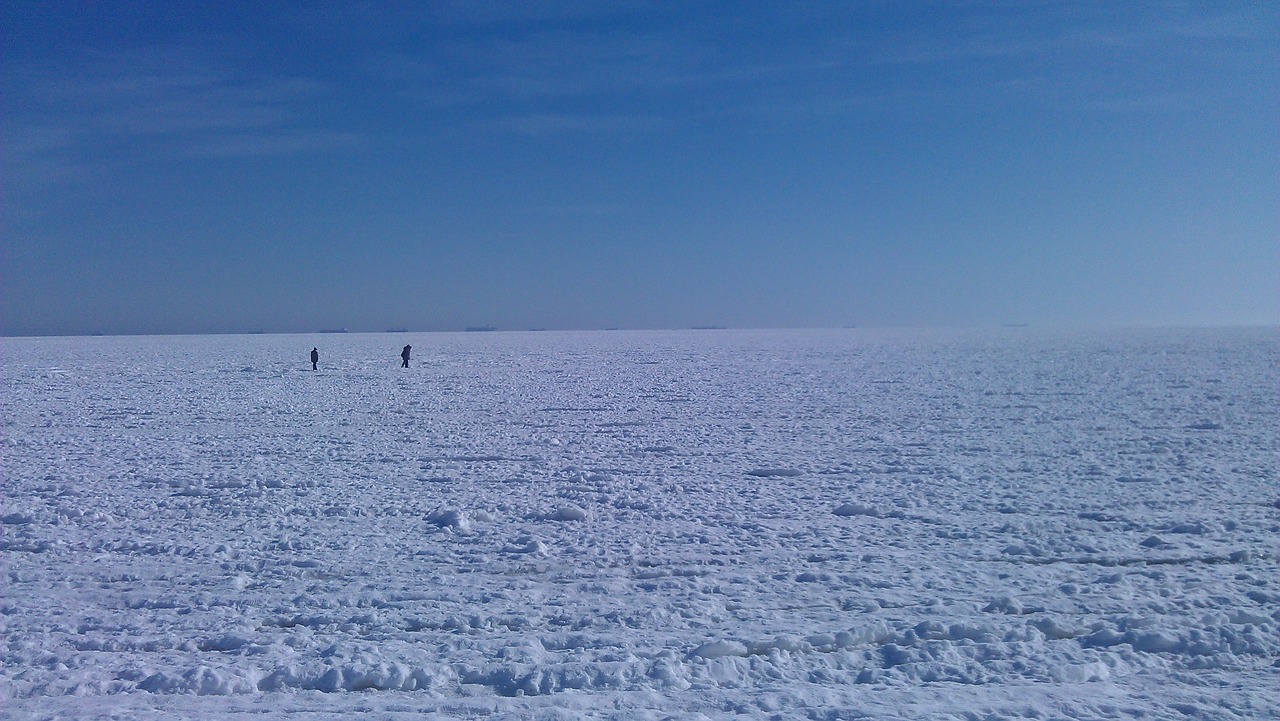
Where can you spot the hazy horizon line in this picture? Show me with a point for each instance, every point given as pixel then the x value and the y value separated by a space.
pixel 1076 325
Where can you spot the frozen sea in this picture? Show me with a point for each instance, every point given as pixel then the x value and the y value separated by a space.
pixel 842 524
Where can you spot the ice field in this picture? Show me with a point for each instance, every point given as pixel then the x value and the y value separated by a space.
pixel 842 524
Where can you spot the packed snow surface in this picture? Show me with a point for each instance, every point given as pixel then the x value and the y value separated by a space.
pixel 652 525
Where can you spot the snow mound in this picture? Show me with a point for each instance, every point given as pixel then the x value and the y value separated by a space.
pixel 719 649
pixel 858 509
pixel 200 681
pixel 566 513
pixel 774 472
pixel 452 519
pixel 17 519
pixel 360 675
pixel 528 545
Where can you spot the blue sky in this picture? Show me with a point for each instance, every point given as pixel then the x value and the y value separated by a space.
pixel 227 167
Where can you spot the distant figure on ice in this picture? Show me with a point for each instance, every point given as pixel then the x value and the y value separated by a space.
pixel 315 358
pixel 404 355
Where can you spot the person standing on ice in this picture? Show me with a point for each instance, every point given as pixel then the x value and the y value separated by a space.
pixel 404 355
pixel 315 358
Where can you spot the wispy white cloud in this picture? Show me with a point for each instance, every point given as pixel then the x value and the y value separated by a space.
pixel 579 210
pixel 588 76
pixel 1003 31
pixel 545 65
pixel 469 14
pixel 550 123
pixel 555 81
pixel 296 141
pixel 70 121
pixel 37 158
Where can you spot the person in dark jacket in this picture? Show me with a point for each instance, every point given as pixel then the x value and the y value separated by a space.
pixel 404 355
pixel 315 358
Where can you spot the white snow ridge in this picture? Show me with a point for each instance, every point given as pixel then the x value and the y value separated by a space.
pixel 652 525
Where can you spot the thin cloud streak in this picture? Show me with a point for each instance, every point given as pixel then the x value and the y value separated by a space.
pixel 135 108
pixel 533 83
pixel 552 123
pixel 280 142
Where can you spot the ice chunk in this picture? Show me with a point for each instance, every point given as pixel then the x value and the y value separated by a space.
pixel 857 509
pixel 719 649
pixel 773 472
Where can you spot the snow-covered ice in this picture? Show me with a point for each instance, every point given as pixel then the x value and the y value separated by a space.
pixel 651 525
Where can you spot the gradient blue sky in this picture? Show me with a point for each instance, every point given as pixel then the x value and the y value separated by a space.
pixel 219 167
